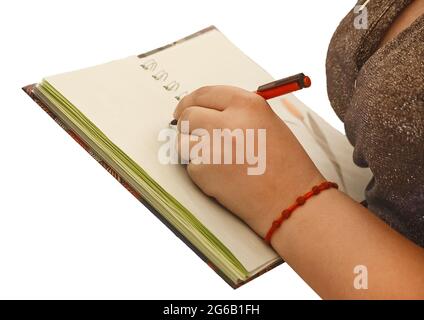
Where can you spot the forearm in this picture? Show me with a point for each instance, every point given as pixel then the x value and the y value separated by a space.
pixel 325 239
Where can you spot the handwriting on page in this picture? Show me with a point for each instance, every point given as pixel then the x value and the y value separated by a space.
pixel 151 65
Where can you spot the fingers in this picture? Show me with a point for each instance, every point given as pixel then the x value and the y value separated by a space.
pixel 193 149
pixel 212 97
pixel 197 167
pixel 185 144
pixel 195 152
pixel 199 121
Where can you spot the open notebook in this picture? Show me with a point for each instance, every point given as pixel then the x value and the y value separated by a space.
pixel 116 110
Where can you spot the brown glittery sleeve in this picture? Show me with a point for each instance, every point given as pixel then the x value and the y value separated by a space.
pixel 379 94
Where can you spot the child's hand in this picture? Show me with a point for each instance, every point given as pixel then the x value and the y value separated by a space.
pixel 256 199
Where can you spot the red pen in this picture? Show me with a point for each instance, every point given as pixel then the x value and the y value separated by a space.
pixel 278 88
pixel 284 86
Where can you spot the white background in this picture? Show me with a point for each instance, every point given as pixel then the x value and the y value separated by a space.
pixel 67 228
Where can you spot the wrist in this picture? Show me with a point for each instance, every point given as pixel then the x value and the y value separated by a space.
pixel 283 197
pixel 309 216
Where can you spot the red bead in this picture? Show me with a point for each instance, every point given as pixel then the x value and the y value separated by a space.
pixel 276 224
pixel 286 214
pixel 316 190
pixel 301 200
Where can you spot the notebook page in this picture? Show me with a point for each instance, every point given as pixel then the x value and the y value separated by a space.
pixel 328 148
pixel 131 108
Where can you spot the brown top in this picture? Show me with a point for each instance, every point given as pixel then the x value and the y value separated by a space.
pixel 379 95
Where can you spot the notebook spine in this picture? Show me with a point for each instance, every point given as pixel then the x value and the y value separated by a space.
pixel 172 86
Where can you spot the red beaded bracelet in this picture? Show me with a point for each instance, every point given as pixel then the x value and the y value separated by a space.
pixel 285 214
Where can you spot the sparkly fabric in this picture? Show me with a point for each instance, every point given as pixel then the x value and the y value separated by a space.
pixel 379 95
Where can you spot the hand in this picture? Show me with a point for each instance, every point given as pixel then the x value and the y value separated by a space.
pixel 256 199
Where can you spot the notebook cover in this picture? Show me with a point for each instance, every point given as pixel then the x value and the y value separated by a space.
pixel 30 91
